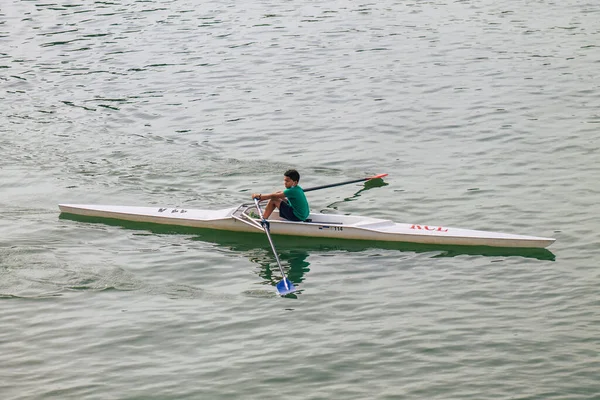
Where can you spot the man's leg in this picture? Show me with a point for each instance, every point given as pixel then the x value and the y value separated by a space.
pixel 270 207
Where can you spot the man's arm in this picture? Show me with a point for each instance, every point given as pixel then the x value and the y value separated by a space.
pixel 268 196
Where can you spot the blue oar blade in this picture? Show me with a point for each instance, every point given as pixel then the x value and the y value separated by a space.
pixel 282 290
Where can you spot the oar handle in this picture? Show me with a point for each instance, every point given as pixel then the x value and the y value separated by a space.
pixel 345 183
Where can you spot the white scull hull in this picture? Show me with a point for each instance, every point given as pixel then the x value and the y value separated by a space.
pixel 239 219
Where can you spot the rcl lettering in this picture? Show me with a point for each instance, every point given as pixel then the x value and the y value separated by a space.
pixel 429 228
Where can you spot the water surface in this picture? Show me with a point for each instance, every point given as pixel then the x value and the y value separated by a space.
pixel 484 115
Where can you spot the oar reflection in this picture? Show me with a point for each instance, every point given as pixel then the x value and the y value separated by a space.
pixel 293 261
pixel 375 183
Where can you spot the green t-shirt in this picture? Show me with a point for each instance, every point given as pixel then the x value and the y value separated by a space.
pixel 297 200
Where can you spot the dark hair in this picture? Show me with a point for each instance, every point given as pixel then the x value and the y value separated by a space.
pixel 292 174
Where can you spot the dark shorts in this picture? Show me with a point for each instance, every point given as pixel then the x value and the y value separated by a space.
pixel 286 211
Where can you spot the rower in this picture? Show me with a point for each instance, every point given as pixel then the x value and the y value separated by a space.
pixel 291 202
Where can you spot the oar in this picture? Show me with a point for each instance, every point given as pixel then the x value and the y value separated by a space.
pixel 345 183
pixel 284 286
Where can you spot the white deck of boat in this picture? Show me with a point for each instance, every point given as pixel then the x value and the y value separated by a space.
pixel 321 225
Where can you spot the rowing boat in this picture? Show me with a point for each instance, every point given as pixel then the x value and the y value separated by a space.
pixel 244 218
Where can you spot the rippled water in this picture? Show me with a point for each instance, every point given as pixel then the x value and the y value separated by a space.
pixel 484 114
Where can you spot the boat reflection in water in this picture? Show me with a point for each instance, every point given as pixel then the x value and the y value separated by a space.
pixel 294 250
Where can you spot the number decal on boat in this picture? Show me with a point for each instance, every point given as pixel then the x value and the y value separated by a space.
pixel 175 210
pixel 430 228
pixel 333 228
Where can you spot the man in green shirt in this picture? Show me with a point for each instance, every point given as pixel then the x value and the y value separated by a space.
pixel 291 202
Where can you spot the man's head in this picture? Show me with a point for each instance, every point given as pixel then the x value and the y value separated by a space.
pixel 291 178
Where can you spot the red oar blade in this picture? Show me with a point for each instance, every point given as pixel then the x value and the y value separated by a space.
pixel 377 176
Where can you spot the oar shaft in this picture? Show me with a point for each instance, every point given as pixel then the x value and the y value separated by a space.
pixel 267 231
pixel 344 183
pixel 274 251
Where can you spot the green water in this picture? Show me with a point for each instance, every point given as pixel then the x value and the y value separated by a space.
pixel 484 115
